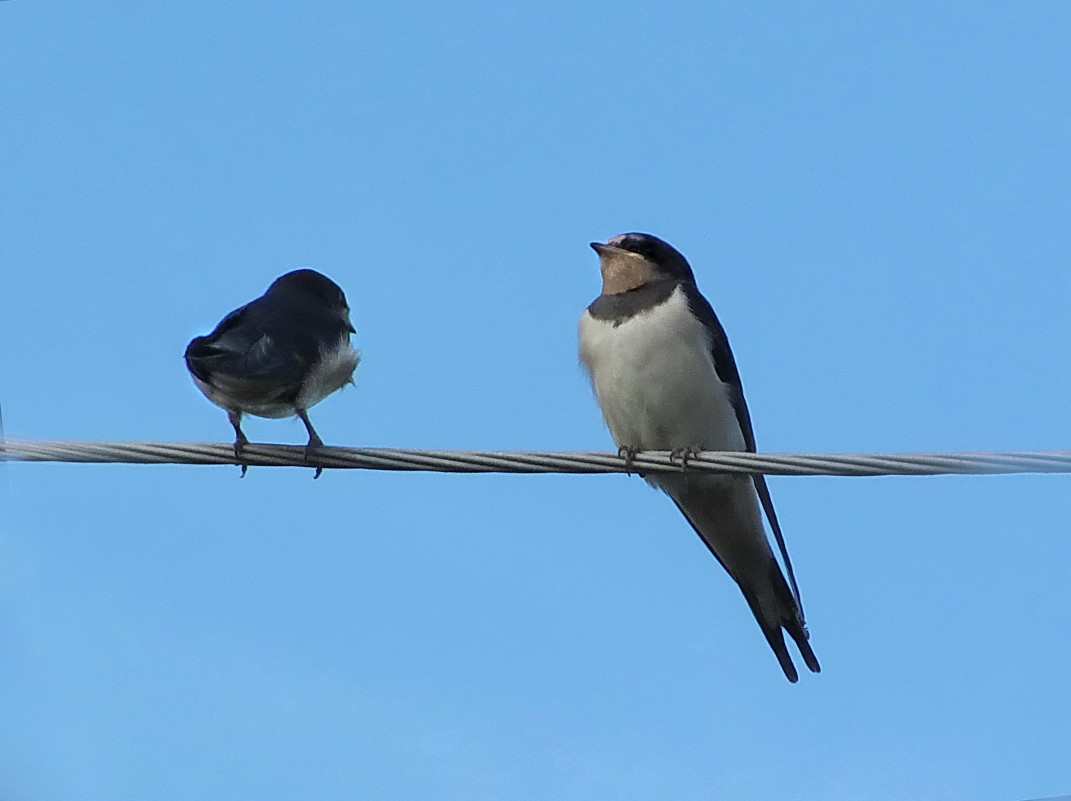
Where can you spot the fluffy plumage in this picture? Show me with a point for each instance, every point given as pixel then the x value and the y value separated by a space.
pixel 279 355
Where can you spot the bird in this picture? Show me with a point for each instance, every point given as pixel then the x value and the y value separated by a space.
pixel 665 379
pixel 278 355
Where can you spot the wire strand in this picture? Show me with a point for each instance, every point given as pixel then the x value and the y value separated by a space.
pixel 732 462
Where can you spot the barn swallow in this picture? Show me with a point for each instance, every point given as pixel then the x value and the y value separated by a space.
pixel 278 355
pixel 665 379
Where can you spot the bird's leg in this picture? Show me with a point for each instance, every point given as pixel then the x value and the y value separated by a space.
pixel 683 454
pixel 628 453
pixel 239 438
pixel 314 438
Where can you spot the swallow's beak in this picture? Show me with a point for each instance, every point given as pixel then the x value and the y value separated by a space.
pixel 346 320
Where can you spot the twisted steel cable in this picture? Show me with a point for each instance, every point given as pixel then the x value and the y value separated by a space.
pixel 771 464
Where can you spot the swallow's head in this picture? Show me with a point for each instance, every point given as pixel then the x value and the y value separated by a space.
pixel 629 261
pixel 310 282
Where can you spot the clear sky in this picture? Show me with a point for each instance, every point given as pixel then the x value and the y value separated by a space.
pixel 876 199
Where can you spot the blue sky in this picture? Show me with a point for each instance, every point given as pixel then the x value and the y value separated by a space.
pixel 875 198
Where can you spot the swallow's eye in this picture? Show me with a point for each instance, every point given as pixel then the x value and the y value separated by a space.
pixel 639 245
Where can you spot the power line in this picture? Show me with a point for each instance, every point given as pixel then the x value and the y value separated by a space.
pixel 773 464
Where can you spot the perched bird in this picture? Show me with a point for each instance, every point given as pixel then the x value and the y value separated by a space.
pixel 665 379
pixel 279 355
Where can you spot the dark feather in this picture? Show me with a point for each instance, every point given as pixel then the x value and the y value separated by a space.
pixel 263 351
pixel 725 365
pixel 622 306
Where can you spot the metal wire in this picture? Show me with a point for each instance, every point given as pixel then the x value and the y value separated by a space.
pixel 771 464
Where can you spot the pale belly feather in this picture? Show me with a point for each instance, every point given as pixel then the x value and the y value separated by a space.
pixel 655 380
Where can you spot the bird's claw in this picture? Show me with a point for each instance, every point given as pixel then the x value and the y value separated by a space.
pixel 683 455
pixel 628 453
pixel 239 445
pixel 313 444
pixel 314 439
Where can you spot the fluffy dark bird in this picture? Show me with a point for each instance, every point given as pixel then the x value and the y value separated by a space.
pixel 278 355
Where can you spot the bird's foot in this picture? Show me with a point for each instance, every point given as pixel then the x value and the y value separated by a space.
pixel 239 445
pixel 314 442
pixel 682 455
pixel 314 439
pixel 240 440
pixel 628 453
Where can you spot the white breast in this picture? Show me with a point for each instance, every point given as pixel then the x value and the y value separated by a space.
pixel 655 381
pixel 332 372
